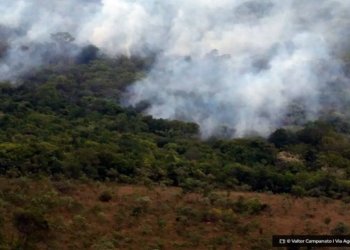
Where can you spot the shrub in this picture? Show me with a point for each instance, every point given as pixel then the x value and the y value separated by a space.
pixel 252 206
pixel 64 187
pixel 298 191
pixel 212 215
pixel 327 220
pixel 79 222
pixel 222 240
pixel 256 207
pixel 188 214
pixel 229 219
pixel 104 244
pixel 32 227
pixel 346 199
pixel 71 204
pixel 262 244
pixel 105 196
pixel 12 197
pixel 28 221
pixel 340 229
pixel 161 223
pixel 46 201
pixel 142 206
pixel 192 185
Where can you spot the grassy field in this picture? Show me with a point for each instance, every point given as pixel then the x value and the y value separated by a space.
pixel 47 214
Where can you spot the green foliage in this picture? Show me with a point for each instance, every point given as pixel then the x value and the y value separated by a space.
pixel 248 151
pixel 298 191
pixel 68 122
pixel 251 206
pixel 141 206
pixel 282 137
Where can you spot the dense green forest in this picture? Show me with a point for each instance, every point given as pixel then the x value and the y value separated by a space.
pixel 67 121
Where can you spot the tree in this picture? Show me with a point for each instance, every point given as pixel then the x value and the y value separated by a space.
pixel 62 37
pixel 282 137
pixel 87 54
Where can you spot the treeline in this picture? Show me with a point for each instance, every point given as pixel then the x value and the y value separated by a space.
pixel 69 123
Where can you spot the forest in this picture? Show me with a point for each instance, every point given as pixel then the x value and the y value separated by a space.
pixel 67 120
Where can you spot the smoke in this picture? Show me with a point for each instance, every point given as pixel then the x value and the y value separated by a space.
pixel 234 64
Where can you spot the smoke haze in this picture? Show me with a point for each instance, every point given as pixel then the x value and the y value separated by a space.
pixel 234 63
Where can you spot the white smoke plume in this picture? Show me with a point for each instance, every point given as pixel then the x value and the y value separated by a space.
pixel 234 63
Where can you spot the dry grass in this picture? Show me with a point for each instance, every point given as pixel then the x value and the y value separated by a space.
pixel 159 218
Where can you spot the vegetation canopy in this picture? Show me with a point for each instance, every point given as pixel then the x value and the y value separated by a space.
pixel 68 121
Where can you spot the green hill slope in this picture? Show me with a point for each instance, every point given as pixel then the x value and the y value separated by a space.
pixel 67 121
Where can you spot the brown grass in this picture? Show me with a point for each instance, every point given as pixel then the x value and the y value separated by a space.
pixel 159 218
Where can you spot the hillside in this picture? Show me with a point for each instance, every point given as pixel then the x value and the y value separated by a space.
pixel 177 124
pixel 68 121
pixel 61 214
pixel 80 170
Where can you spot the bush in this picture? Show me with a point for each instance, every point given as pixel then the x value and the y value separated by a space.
pixel 32 227
pixel 141 206
pixel 105 196
pixel 64 187
pixel 282 137
pixel 298 191
pixel 28 222
pixel 188 214
pixel 340 229
pixel 327 220
pixel 252 206
pixel 229 219
pixel 261 244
